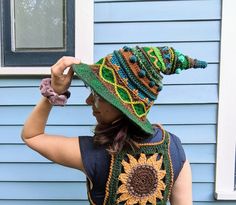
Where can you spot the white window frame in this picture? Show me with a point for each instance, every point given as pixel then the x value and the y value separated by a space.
pixel 84 41
pixel 226 137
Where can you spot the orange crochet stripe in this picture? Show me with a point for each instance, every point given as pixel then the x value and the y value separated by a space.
pixel 155 143
pixel 135 70
pixel 171 167
pixel 109 180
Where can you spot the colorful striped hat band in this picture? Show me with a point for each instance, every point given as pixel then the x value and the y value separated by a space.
pixel 131 78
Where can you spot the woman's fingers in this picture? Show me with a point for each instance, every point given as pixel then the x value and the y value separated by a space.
pixel 58 69
pixel 60 81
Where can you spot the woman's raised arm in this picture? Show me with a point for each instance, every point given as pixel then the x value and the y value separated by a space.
pixel 59 149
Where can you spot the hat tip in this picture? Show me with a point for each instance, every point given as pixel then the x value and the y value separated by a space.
pixel 200 64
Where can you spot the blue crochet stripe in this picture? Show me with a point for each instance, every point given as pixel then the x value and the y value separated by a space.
pixel 124 76
pixel 132 77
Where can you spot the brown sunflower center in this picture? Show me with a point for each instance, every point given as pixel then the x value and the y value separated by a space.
pixel 142 181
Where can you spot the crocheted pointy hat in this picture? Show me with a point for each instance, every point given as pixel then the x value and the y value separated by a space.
pixel 131 78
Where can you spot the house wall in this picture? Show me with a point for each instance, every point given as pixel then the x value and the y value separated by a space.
pixel 187 106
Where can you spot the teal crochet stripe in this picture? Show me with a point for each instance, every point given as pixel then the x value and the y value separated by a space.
pixel 131 86
pixel 86 74
pixel 133 78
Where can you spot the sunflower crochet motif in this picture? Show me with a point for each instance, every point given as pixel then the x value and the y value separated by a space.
pixel 142 180
pixel 141 177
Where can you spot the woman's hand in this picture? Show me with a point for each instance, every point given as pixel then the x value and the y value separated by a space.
pixel 61 82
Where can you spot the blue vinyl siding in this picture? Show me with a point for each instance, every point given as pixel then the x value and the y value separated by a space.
pixel 187 106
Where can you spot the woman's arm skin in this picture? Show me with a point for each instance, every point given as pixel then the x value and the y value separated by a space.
pixel 182 189
pixel 59 149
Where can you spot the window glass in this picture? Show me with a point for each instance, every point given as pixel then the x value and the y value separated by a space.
pixel 38 24
pixel 37 32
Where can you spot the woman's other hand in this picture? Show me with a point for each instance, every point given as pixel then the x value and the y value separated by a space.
pixel 59 80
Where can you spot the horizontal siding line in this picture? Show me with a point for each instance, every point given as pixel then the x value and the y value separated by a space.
pixel 191 163
pixel 154 42
pixel 183 143
pixel 120 1
pixel 13 143
pixel 37 86
pixel 71 182
pixel 213 202
pixel 81 86
pixel 46 181
pixel 84 105
pixel 29 77
pixel 89 125
pixel 94 124
pixel 203 182
pixel 48 162
pixel 56 125
pixel 52 163
pixel 157 21
pixel 198 143
pixel 43 200
pixel 36 200
pixel 202 163
pixel 199 163
pixel 61 200
pixel 83 182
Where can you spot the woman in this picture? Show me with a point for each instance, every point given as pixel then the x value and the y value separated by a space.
pixel 128 160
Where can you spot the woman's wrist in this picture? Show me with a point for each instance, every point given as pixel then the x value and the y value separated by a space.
pixel 48 92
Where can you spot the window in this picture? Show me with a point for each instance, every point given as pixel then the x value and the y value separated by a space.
pixel 35 33
pixel 226 139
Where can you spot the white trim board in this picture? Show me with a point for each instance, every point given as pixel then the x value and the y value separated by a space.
pixel 226 137
pixel 84 40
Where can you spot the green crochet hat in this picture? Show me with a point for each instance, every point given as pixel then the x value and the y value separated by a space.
pixel 131 78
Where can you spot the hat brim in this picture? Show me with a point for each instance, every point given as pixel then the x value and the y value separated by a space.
pixel 85 73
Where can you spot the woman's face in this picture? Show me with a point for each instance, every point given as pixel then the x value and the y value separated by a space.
pixel 104 112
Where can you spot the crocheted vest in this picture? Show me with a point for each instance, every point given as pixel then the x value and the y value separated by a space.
pixel 144 176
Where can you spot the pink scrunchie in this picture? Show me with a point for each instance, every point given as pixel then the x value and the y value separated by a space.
pixel 48 92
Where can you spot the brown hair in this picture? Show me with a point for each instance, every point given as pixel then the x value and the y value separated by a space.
pixel 119 134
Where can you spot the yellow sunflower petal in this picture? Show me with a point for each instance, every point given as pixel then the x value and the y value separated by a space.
pixel 123 197
pixel 142 159
pixel 132 161
pixel 122 189
pixel 152 199
pixel 158 195
pixel 158 163
pixel 126 166
pixel 131 201
pixel 143 201
pixel 161 185
pixel 161 174
pixel 123 178
pixel 152 160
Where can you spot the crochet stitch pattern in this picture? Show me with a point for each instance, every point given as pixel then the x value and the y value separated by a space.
pixel 141 177
pixel 131 78
pixel 108 75
pixel 142 180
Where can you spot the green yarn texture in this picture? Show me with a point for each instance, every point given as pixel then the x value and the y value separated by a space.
pixel 162 149
pixel 86 74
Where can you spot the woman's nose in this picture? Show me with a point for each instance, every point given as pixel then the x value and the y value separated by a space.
pixel 89 99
